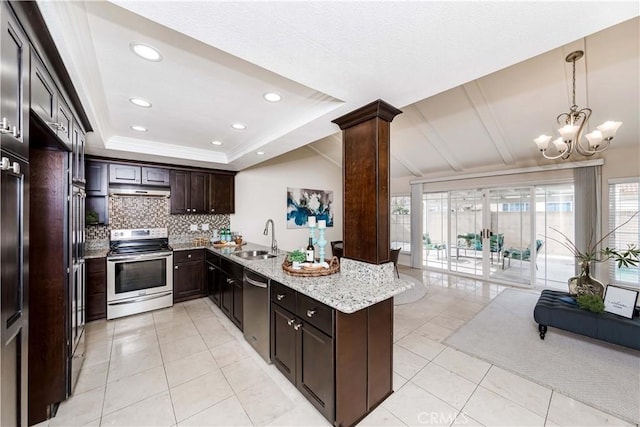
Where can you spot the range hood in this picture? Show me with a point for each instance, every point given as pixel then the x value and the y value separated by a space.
pixel 139 191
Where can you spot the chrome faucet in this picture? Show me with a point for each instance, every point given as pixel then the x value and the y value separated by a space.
pixel 274 244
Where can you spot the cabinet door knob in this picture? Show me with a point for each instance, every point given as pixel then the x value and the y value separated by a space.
pixel 189 256
pixel 4 126
pixel 5 165
pixel 291 322
pixel 297 326
pixel 16 132
pixel 193 210
pixel 176 267
pixel 213 210
pixel 229 281
pixel 310 313
pixel 188 210
pixel 210 268
pixel 16 168
pixel 280 297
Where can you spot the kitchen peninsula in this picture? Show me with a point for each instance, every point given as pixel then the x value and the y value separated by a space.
pixel 332 336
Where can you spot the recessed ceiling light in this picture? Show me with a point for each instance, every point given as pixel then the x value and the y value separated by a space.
pixel 146 52
pixel 140 102
pixel 259 153
pixel 218 143
pixel 272 97
pixel 139 128
pixel 238 126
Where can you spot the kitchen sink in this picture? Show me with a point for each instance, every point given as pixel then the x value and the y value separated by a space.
pixel 254 255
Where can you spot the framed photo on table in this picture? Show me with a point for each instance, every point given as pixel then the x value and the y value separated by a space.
pixel 620 301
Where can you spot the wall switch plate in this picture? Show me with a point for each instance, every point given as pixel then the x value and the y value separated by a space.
pixel 205 227
pixel 193 227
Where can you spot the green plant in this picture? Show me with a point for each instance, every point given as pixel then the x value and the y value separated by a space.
pixel 297 256
pixel 591 302
pixel 624 258
pixel 91 217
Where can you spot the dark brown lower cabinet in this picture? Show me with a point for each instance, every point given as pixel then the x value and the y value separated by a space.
pixel 231 288
pixel 214 291
pixel 96 288
pixel 342 363
pixel 304 354
pixel 188 275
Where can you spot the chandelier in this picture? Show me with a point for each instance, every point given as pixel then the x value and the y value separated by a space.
pixel 572 124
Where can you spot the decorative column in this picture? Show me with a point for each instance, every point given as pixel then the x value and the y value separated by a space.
pixel 365 169
pixel 364 339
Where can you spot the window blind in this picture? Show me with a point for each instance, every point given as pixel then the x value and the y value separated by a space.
pixel 624 201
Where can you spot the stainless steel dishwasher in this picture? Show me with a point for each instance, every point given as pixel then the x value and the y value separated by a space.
pixel 256 312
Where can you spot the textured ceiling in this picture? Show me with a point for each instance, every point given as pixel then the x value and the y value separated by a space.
pixel 476 80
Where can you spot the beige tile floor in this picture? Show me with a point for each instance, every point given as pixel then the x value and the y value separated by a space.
pixel 189 366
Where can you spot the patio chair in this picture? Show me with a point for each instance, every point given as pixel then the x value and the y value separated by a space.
pixel 393 255
pixel 519 254
pixel 496 242
pixel 336 248
pixel 429 245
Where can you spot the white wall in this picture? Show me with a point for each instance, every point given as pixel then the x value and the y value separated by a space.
pixel 261 193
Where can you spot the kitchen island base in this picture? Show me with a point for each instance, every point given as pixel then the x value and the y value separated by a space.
pixel 342 363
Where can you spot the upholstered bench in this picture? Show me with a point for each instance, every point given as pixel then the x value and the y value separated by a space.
pixel 551 310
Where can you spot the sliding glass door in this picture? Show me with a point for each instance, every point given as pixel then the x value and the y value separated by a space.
pixel 504 234
pixel 511 221
pixel 466 218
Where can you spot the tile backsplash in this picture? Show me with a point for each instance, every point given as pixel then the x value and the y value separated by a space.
pixel 151 212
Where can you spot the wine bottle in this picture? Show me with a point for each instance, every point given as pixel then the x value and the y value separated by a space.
pixel 311 255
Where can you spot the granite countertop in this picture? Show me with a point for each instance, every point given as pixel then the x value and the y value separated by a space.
pixel 96 253
pixel 358 285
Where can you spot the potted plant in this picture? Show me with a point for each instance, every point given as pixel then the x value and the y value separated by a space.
pixel 297 257
pixel 584 283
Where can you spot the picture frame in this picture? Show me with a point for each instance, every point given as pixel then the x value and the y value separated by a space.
pixel 620 301
pixel 304 202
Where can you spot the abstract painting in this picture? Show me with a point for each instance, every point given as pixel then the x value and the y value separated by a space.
pixel 303 203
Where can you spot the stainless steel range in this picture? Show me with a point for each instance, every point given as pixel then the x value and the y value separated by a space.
pixel 139 271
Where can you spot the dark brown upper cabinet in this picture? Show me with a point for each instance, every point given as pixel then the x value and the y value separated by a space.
pixel 221 194
pixel 124 174
pixel 78 141
pixel 14 84
pixel 48 105
pixel 155 176
pixel 188 192
pixel 97 178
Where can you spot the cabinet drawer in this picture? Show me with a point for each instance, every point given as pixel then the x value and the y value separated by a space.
pixel 283 296
pixel 316 313
pixel 96 266
pixel 213 259
pixel 190 255
pixel 234 270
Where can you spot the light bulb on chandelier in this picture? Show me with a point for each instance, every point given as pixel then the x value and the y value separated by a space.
pixel 573 123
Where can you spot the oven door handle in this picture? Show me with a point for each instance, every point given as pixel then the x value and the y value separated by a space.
pixel 144 298
pixel 158 255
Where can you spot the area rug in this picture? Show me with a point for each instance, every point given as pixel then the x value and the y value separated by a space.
pixel 599 374
pixel 410 295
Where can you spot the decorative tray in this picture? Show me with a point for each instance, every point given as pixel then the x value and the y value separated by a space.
pixel 334 267
pixel 227 245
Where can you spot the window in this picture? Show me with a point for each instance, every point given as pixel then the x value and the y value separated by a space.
pixel 515 207
pixel 401 223
pixel 624 201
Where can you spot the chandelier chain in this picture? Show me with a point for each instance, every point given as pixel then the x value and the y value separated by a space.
pixel 573 99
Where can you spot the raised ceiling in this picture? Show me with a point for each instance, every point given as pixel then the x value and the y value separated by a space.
pixel 476 80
